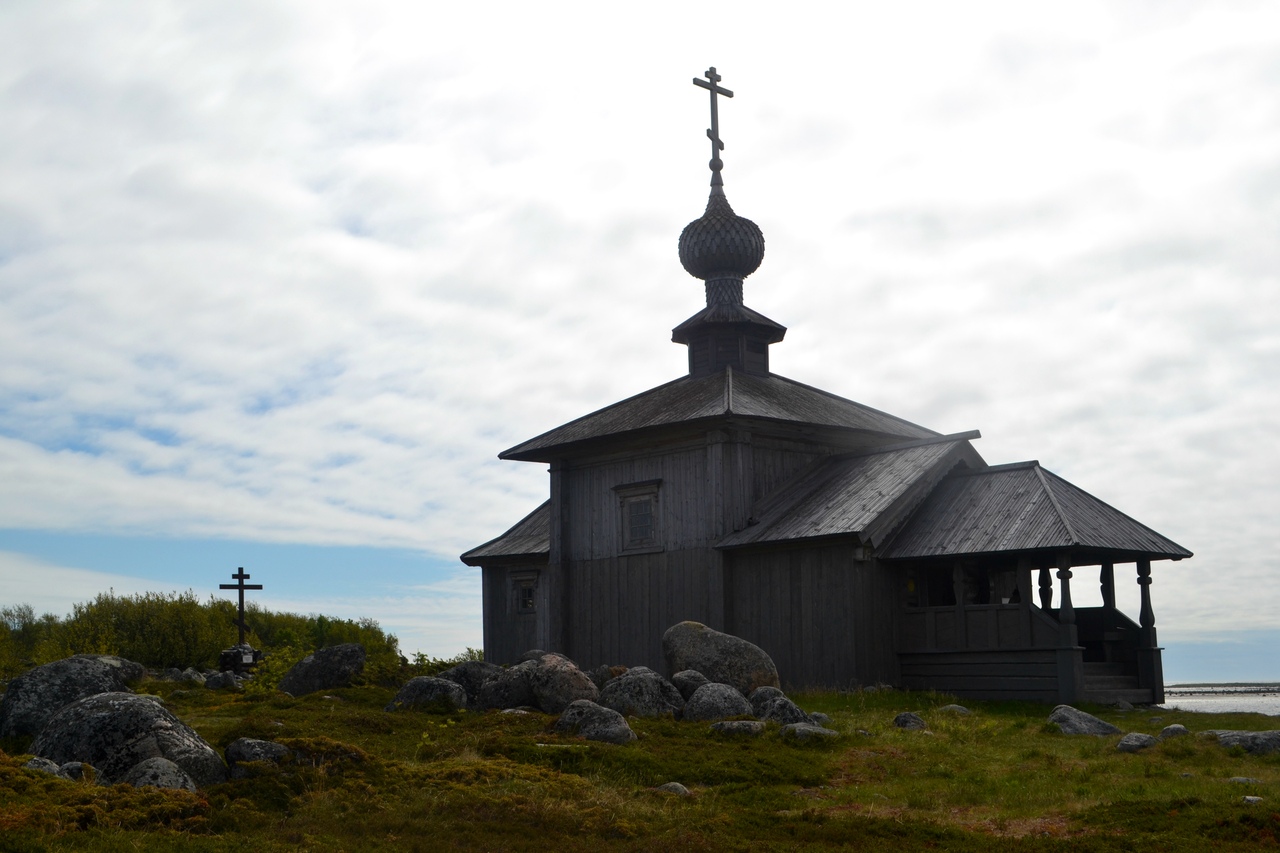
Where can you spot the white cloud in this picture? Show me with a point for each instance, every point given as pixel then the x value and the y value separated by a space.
pixel 298 273
pixel 54 589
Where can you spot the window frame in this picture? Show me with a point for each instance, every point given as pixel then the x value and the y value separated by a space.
pixel 637 494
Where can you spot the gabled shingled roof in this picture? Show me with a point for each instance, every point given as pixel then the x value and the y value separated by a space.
pixel 774 398
pixel 531 537
pixel 1021 507
pixel 865 494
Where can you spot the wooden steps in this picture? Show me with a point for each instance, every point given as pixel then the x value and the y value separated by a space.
pixel 1108 683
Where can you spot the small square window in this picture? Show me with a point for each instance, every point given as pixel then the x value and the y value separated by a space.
pixel 524 592
pixel 639 516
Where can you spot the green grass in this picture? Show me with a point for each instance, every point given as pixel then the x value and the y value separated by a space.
pixel 997 779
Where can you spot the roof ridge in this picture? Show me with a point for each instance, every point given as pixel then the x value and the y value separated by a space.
pixel 967 435
pixel 728 389
pixel 995 469
pixel 817 390
pixel 1053 499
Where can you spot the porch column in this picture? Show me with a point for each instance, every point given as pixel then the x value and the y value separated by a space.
pixel 1107 580
pixel 1070 659
pixel 957 589
pixel 1046 590
pixel 1150 667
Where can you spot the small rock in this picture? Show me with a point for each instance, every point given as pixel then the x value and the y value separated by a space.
pixel 324 669
pixel 557 682
pixel 909 720
pixel 426 692
pixel 80 771
pixel 716 701
pixel 784 712
pixel 1175 730
pixel 158 772
pixel 1135 742
pixel 808 731
pixel 761 697
pixel 820 719
pixel 1072 721
pixel 472 675
pixel 222 681
pixel 509 688
pixel 594 722
pixel 1253 801
pixel 1155 719
pixel 1244 780
pixel 687 681
pixel 1123 706
pixel 673 788
pixel 739 728
pixel 42 765
pixel 244 750
pixel 955 709
pixel 641 692
pixel 1254 743
pixel 191 675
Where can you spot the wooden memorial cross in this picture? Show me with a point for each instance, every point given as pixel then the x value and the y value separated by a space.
pixel 713 132
pixel 241 576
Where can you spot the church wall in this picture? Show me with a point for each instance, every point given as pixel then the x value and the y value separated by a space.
pixel 509 632
pixel 825 619
pixel 621 606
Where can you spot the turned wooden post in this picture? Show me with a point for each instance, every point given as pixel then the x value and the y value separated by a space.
pixel 1070 660
pixel 1150 667
pixel 1046 589
pixel 1066 612
pixel 957 589
pixel 1107 580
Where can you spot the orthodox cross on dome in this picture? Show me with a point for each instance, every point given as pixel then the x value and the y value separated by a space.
pixel 240 577
pixel 713 132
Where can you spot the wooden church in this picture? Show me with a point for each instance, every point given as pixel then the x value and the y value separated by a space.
pixel 853 546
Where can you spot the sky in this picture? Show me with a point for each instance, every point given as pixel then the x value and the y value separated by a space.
pixel 278 281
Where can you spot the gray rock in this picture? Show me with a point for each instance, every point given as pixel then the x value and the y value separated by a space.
pixel 749 728
pixel 641 692
pixel 324 669
pixel 158 772
pixel 716 701
pixel 510 688
pixel 557 683
pixel 1244 780
pixel 722 658
pixel 959 710
pixel 687 681
pixel 1123 705
pixel 761 697
pixel 430 693
pixel 191 675
pixel 532 655
pixel 34 697
pixel 1253 801
pixel 1175 730
pixel 1136 742
pixel 594 722
pixel 222 681
pixel 673 788
pixel 820 719
pixel 115 731
pixel 808 731
pixel 81 771
pixel 603 674
pixel 784 712
pixel 244 750
pixel 909 720
pixel 472 676
pixel 1254 743
pixel 42 765
pixel 1075 722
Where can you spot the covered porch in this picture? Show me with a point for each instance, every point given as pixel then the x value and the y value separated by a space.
pixel 986 567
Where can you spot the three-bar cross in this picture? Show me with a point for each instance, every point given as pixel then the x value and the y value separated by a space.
pixel 713 132
pixel 241 576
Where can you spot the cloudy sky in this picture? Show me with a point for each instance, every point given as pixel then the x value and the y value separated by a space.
pixel 279 280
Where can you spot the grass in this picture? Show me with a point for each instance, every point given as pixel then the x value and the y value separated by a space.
pixel 368 780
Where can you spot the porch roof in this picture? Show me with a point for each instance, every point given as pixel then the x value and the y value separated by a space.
pixel 529 538
pixel 1021 507
pixel 864 494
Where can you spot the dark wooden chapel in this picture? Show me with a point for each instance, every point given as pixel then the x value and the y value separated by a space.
pixel 853 546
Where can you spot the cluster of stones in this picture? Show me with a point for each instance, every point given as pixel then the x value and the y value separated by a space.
pixel 719 678
pixel 89 725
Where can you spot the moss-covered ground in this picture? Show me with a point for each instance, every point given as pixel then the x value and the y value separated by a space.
pixel 1000 778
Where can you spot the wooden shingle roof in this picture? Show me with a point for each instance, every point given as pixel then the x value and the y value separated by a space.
pixel 864 494
pixel 727 393
pixel 531 537
pixel 1022 507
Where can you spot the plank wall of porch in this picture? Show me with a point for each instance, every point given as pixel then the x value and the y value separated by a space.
pixel 991 630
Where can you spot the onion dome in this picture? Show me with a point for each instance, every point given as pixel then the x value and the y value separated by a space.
pixel 721 244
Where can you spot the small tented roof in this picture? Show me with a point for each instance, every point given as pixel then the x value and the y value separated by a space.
pixel 1021 507
pixel 531 537
pixel 730 392
pixel 864 494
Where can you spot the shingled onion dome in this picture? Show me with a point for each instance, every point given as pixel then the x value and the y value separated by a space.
pixel 720 244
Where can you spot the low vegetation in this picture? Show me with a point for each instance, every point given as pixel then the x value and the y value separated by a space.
pixel 1000 778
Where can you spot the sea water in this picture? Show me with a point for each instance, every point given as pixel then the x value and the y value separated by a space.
pixel 1225 698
